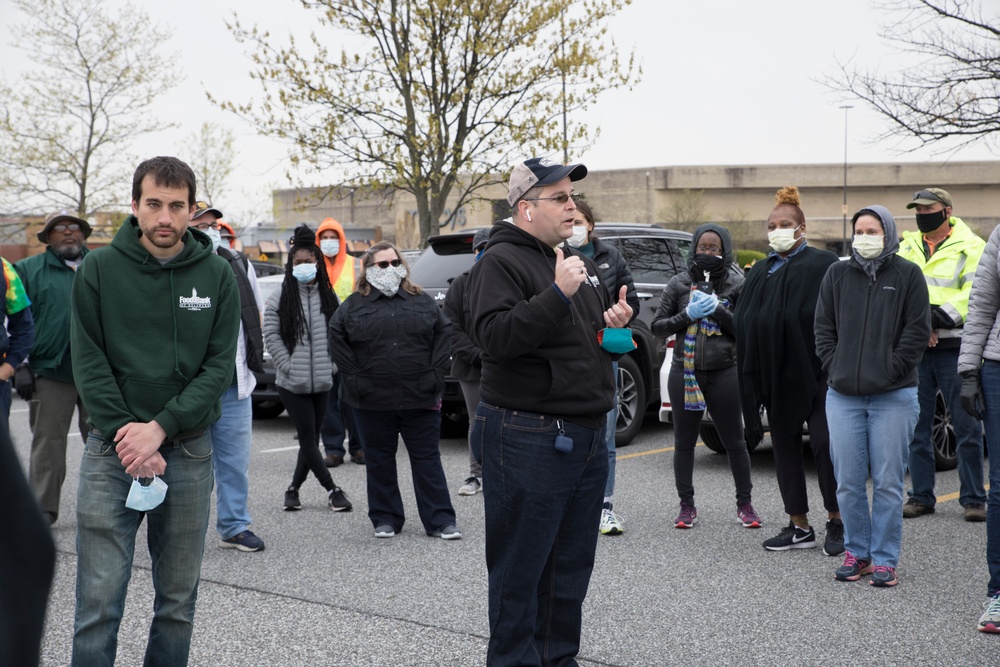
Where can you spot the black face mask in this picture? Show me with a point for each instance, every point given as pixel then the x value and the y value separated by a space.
pixel 709 263
pixel 928 222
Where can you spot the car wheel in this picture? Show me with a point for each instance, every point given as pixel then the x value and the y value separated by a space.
pixel 631 401
pixel 943 436
pixel 267 409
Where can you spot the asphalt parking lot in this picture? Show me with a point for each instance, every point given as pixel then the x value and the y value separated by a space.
pixel 326 592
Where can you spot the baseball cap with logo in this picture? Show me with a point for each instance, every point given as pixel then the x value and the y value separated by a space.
pixel 540 171
pixel 201 208
pixel 929 197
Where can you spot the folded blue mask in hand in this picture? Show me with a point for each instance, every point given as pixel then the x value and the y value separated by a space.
pixel 144 498
pixel 616 341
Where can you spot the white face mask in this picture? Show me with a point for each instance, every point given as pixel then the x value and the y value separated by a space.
pixel 144 498
pixel 579 237
pixel 868 246
pixel 782 240
pixel 216 237
pixel 329 247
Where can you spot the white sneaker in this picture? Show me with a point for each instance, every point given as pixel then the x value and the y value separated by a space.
pixel 472 486
pixel 990 620
pixel 611 523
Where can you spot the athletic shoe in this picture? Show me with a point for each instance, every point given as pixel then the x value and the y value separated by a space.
pixel 833 545
pixel 746 515
pixel 792 537
pixel 884 576
pixel 611 523
pixel 914 508
pixel 853 568
pixel 975 512
pixel 339 501
pixel 990 620
pixel 292 499
pixel 449 532
pixel 688 516
pixel 245 541
pixel 385 530
pixel 472 486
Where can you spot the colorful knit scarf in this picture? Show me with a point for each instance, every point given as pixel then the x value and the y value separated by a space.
pixel 693 398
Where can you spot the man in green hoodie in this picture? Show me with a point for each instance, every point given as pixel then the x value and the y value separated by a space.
pixel 153 339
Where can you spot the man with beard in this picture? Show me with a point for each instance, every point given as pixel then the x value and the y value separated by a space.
pixel 46 379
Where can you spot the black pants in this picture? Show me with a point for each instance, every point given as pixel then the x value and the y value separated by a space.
pixel 789 465
pixel 307 412
pixel 722 397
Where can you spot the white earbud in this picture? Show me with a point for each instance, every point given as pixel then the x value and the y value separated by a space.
pixel 527 214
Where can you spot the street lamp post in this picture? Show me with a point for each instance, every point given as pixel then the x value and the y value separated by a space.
pixel 846 245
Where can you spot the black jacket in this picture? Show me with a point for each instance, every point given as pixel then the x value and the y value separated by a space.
pixel 615 273
pixel 870 335
pixel 465 363
pixel 392 353
pixel 711 353
pixel 540 353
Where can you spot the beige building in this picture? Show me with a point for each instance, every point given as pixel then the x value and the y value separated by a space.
pixel 739 197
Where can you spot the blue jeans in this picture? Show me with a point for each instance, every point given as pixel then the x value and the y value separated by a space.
pixel 991 420
pixel 105 545
pixel 870 434
pixel 421 433
pixel 231 441
pixel 609 436
pixel 543 509
pixel 939 368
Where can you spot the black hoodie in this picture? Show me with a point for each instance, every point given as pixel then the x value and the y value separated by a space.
pixel 540 354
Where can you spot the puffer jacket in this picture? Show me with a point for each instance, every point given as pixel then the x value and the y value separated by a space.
pixel 309 368
pixel 982 327
pixel 710 352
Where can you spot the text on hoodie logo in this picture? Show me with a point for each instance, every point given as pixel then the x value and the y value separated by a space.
pixel 195 302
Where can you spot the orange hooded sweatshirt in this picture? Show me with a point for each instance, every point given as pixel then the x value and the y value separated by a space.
pixel 340 268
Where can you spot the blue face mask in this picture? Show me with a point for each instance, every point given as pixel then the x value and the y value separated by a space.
pixel 329 247
pixel 304 273
pixel 144 498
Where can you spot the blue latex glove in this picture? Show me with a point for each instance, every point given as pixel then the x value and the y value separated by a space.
pixel 701 305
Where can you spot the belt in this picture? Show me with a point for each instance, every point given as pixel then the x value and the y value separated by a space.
pixel 180 437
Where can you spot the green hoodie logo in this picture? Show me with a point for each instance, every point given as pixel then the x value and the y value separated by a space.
pixel 195 302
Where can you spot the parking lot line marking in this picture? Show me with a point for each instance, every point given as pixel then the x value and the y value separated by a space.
pixel 621 457
pixel 279 449
pixel 954 496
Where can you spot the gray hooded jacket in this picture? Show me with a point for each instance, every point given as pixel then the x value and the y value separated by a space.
pixel 981 339
pixel 309 368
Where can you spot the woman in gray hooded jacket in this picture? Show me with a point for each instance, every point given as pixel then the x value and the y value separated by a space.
pixel 872 326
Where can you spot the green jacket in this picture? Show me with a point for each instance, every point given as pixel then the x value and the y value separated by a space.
pixel 949 273
pixel 49 283
pixel 151 341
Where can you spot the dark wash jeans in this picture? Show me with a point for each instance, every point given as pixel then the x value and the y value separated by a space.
pixel 991 420
pixel 543 509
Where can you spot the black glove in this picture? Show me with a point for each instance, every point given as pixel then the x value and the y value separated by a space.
pixel 972 394
pixel 24 382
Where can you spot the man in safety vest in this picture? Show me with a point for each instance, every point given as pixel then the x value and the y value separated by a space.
pixel 947 251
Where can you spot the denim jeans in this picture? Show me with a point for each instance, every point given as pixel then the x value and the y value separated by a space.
pixel 543 509
pixel 991 420
pixel 609 436
pixel 105 546
pixel 421 433
pixel 231 441
pixel 939 369
pixel 870 434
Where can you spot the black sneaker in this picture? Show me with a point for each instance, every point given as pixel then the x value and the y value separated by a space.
pixel 339 501
pixel 292 499
pixel 833 545
pixel 245 541
pixel 791 537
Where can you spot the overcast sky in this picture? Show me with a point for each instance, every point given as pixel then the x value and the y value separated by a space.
pixel 725 82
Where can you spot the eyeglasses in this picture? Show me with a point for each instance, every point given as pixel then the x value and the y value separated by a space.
pixel 560 198
pixel 205 225
pixel 708 249
pixel 73 227
pixel 386 265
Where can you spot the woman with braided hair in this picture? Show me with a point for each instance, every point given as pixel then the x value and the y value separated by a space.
pixel 697 306
pixel 780 372
pixel 296 318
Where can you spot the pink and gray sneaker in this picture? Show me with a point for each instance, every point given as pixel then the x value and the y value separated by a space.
pixel 688 516
pixel 746 515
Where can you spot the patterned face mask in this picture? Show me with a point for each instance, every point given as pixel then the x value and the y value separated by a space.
pixel 386 280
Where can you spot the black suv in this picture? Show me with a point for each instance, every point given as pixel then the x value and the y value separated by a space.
pixel 653 254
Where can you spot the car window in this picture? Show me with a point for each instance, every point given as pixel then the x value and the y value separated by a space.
pixel 434 270
pixel 652 259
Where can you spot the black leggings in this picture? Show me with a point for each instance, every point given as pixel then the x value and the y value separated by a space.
pixel 722 397
pixel 307 412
